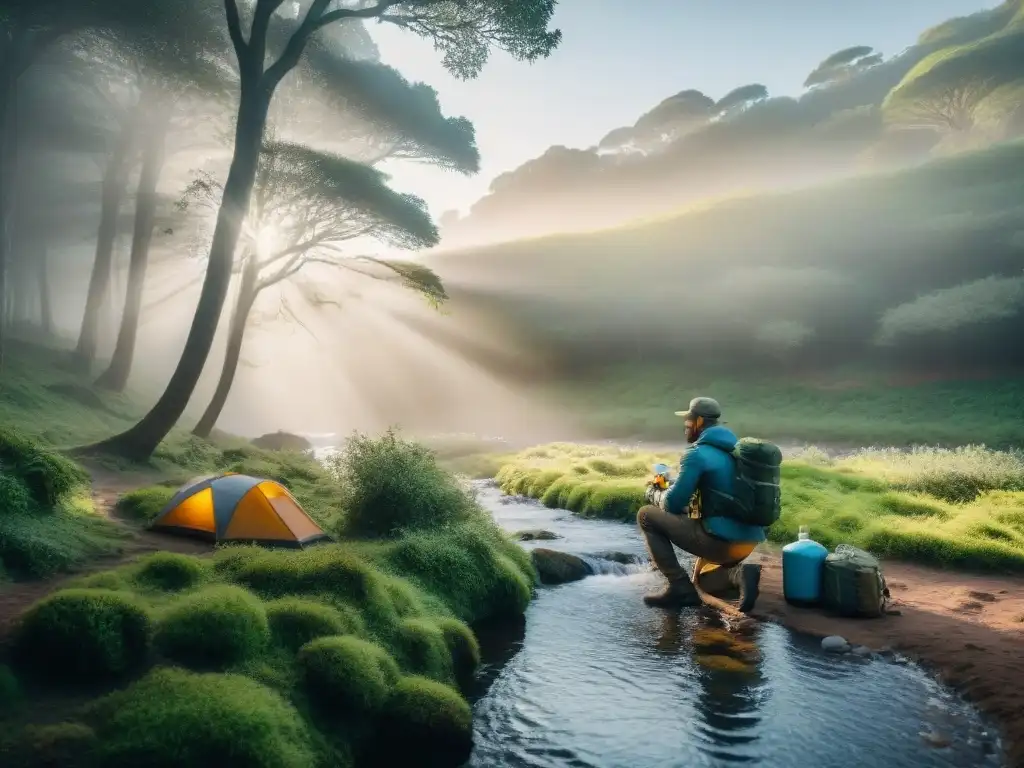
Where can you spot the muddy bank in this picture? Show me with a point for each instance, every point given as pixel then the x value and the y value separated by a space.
pixel 968 629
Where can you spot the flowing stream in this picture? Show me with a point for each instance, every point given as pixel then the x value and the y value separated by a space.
pixel 598 680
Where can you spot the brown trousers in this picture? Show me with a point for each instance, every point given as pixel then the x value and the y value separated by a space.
pixel 661 530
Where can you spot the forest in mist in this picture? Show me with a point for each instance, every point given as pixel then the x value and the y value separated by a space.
pixel 178 175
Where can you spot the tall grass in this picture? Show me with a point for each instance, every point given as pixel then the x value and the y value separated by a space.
pixel 961 508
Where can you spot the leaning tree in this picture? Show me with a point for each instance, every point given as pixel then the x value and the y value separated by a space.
pixel 464 31
pixel 310 207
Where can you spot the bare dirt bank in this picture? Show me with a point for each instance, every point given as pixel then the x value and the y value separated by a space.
pixel 968 629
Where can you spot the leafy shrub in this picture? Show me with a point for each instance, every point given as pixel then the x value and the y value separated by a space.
pixel 174 718
pixel 432 719
pixel 421 649
pixel 170 571
pixel 390 485
pixel 295 621
pixel 463 649
pixel 215 627
pixel 47 475
pixel 67 745
pixel 347 673
pixel 84 635
pixel 145 504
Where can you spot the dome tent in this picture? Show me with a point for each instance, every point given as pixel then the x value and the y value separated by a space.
pixel 232 507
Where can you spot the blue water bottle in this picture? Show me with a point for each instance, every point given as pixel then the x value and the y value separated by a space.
pixel 802 564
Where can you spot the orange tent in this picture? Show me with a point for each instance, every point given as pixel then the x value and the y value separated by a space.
pixel 239 508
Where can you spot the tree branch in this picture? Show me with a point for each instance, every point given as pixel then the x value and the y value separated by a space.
pixel 235 28
pixel 258 34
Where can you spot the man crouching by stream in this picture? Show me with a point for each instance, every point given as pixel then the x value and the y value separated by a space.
pixel 693 514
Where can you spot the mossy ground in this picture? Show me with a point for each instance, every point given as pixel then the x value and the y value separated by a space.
pixel 961 508
pixel 327 650
pixel 175 659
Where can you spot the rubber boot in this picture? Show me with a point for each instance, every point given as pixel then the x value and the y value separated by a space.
pixel 747 576
pixel 678 593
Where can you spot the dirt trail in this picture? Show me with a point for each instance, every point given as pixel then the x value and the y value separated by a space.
pixel 969 629
pixel 107 487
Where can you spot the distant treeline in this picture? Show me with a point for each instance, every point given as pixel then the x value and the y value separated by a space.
pixel 959 86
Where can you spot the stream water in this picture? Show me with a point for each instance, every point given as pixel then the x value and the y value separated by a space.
pixel 596 679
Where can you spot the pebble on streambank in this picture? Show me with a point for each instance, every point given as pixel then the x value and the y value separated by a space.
pixel 840 646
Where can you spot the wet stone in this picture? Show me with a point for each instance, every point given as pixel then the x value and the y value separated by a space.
pixel 835 644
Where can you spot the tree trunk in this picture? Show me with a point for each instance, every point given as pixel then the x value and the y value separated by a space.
pixel 153 156
pixel 247 292
pixel 141 440
pixel 115 180
pixel 21 309
pixel 8 136
pixel 43 279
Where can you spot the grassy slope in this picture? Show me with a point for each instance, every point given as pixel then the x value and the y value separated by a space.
pixel 929 216
pixel 962 508
pixel 639 402
pixel 251 657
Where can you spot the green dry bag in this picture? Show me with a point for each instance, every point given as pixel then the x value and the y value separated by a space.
pixel 853 584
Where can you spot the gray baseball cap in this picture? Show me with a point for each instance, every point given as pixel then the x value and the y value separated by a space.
pixel 702 406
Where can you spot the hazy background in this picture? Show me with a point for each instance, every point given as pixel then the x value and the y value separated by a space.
pixel 634 215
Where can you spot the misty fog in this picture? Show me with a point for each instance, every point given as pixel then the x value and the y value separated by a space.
pixel 872 216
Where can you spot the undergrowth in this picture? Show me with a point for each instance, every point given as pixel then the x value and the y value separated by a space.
pixel 311 657
pixel 959 507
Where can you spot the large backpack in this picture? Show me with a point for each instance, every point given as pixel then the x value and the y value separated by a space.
pixel 757 497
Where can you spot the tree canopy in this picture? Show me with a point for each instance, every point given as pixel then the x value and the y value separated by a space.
pixel 843 64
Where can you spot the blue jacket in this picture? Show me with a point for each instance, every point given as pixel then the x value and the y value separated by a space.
pixel 708 465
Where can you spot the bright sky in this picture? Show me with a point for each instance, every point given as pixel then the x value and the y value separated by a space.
pixel 618 59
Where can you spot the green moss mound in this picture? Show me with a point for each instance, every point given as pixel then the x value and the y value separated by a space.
pixel 145 504
pixel 60 745
pixel 174 718
pixel 348 674
pixel 391 485
pixel 213 628
pixel 477 566
pixel 46 475
pixel 423 717
pixel 295 621
pixel 170 571
pixel 421 649
pixel 80 635
pixel 463 649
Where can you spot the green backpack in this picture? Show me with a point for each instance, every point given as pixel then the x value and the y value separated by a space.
pixel 756 497
pixel 853 585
